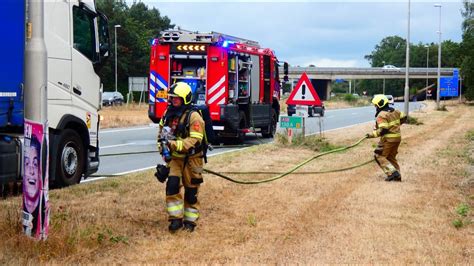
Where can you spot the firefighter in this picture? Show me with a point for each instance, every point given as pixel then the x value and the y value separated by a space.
pixel 186 165
pixel 387 127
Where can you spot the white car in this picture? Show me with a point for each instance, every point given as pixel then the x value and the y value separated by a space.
pixel 110 98
pixel 390 67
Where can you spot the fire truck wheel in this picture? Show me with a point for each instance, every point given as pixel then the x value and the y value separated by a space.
pixel 70 158
pixel 271 130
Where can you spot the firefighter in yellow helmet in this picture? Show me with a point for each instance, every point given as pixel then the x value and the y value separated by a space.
pixel 186 165
pixel 387 127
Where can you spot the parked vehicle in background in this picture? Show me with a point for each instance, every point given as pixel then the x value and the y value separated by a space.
pixel 312 110
pixel 110 98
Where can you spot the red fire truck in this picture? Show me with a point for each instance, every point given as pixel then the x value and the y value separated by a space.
pixel 236 78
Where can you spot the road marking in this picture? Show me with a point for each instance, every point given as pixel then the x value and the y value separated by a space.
pixel 127 129
pixel 147 168
pixel 117 145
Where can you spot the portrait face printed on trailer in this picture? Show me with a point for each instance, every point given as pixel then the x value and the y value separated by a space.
pixel 32 184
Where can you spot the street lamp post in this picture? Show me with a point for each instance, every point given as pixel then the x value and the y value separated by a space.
pixel 438 91
pixel 427 63
pixel 383 83
pixel 115 28
pixel 407 63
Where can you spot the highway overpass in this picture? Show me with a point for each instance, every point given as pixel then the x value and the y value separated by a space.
pixel 321 77
pixel 351 73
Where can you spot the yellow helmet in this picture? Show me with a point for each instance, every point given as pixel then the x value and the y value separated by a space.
pixel 182 90
pixel 380 100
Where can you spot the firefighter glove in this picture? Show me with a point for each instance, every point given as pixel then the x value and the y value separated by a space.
pixel 162 172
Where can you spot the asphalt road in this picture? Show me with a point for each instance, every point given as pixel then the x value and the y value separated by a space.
pixel 142 140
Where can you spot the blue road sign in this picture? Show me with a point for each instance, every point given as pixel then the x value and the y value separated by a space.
pixel 449 86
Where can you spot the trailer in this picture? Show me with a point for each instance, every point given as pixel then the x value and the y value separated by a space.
pixel 236 78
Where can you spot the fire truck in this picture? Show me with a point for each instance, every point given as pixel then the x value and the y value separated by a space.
pixel 234 77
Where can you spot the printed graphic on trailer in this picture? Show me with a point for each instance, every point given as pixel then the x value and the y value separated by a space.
pixel 35 184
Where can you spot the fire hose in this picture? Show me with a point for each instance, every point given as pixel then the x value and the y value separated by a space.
pixel 279 175
pixel 293 169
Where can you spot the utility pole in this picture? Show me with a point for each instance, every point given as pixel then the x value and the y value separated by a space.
pixel 383 85
pixel 407 63
pixel 35 208
pixel 427 63
pixel 439 58
pixel 115 28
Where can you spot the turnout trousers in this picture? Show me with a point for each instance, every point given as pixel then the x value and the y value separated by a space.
pixel 385 155
pixel 187 173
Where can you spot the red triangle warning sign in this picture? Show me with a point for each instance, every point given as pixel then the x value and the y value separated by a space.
pixel 304 93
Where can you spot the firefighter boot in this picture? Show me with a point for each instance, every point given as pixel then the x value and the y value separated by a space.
pixel 175 225
pixel 395 176
pixel 189 226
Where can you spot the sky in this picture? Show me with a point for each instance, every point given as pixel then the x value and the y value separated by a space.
pixel 323 33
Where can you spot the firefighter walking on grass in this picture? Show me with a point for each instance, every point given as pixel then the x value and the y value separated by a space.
pixel 387 127
pixel 186 164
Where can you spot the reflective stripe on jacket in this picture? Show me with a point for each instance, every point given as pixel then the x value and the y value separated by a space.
pixel 387 125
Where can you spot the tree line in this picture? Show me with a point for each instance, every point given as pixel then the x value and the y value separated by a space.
pixel 140 25
pixel 392 51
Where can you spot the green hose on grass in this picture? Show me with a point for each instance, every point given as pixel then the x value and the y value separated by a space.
pixel 280 175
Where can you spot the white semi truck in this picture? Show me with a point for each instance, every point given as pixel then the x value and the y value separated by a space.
pixel 76 42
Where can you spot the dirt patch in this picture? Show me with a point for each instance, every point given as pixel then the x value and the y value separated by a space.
pixel 348 217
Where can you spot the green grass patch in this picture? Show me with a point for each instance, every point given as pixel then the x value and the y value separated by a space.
pixel 352 100
pixel 442 108
pixel 462 210
pixel 252 220
pixel 457 223
pixel 413 121
pixel 470 135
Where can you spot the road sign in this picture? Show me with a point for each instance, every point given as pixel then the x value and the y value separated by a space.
pixel 304 93
pixel 449 85
pixel 291 122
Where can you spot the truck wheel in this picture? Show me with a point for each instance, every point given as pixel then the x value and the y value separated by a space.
pixel 270 132
pixel 70 158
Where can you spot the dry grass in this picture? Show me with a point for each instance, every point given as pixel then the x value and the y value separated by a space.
pixel 339 104
pixel 124 116
pixel 350 217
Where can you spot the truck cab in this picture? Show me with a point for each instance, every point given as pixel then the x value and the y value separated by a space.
pixel 77 45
